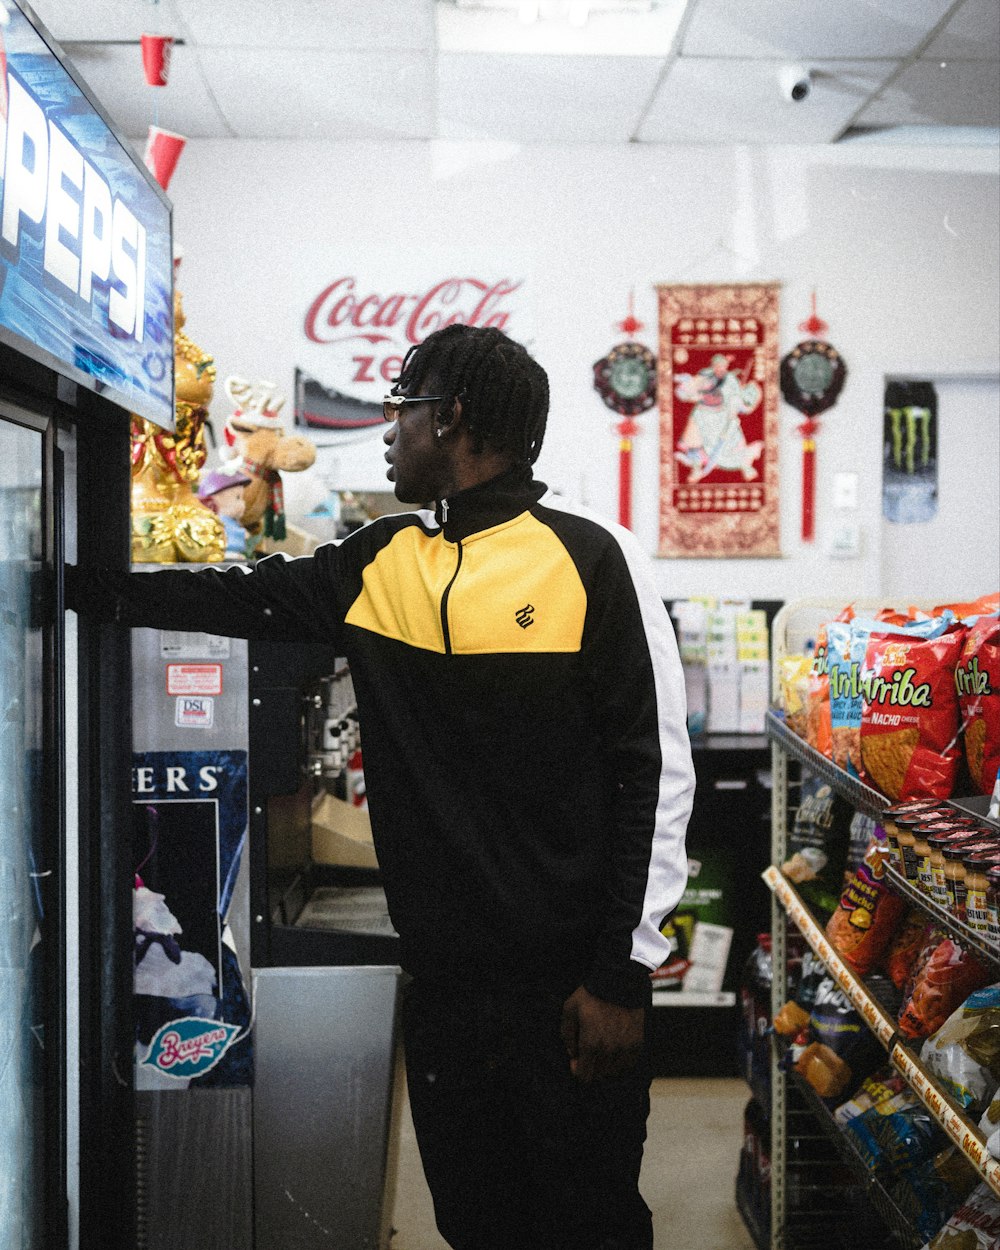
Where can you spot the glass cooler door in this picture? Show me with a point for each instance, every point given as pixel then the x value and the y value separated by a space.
pixel 30 927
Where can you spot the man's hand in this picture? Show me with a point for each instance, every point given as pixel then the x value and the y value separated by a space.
pixel 601 1038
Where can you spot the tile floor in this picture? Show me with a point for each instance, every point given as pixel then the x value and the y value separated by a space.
pixel 692 1151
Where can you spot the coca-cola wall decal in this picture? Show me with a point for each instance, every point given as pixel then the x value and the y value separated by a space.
pixel 357 332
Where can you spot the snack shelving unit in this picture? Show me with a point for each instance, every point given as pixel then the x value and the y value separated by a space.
pixel 793 627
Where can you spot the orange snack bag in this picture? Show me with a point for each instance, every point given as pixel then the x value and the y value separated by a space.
pixel 868 913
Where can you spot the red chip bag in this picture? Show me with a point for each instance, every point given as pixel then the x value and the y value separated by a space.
pixel 977 680
pixel 943 983
pixel 905 946
pixel 909 714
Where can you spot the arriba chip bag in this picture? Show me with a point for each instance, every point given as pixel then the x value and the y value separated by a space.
pixel 910 716
pixel 977 680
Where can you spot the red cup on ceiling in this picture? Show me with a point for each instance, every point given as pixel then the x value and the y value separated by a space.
pixel 163 151
pixel 156 58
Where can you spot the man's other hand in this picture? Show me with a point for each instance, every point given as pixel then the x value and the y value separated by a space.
pixel 601 1038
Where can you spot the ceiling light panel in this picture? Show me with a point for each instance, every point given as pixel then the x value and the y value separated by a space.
pixel 500 30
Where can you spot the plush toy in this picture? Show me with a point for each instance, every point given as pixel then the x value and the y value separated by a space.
pixel 223 490
pixel 257 443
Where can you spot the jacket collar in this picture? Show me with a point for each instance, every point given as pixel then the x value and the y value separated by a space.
pixel 488 504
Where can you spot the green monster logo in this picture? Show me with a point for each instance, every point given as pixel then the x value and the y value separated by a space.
pixel 910 420
pixel 970 681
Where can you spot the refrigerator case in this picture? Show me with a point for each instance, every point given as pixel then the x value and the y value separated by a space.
pixel 193 1059
pixel 265 979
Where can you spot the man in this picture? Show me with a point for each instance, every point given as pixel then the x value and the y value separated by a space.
pixel 529 781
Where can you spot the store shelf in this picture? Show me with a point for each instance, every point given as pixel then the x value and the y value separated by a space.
pixel 863 798
pixel 896 1222
pixel 951 1118
pixel 970 938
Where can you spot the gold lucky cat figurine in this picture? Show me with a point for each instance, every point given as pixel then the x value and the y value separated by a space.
pixel 169 523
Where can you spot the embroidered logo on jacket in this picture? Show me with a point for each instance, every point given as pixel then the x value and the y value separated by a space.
pixel 523 615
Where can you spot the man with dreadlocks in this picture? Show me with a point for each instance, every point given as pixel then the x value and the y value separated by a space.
pixel 529 781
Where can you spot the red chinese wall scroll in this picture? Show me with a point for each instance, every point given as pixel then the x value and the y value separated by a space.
pixel 718 398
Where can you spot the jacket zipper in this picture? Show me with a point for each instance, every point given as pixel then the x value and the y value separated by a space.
pixel 444 603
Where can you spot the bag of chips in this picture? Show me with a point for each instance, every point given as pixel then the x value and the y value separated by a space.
pixel 929 1192
pixel 874 1091
pixel 909 718
pixel 906 944
pixel 977 679
pixel 945 978
pixel 793 677
pixel 842 1050
pixel 817 843
pixel 964 1054
pixel 818 732
pixel 868 913
pixel 974 1226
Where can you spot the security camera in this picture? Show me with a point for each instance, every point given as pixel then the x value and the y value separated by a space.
pixel 796 82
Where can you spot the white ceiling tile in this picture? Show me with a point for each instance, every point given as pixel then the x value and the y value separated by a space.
pixel 70 20
pixel 717 101
pixel 286 93
pixel 972 33
pixel 331 25
pixel 114 75
pixel 817 29
pixel 499 31
pixel 543 99
pixel 963 93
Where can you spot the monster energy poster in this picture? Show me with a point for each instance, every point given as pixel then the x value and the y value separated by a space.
pixel 909 456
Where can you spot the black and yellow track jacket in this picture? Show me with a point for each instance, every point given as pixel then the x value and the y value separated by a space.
pixel 523 718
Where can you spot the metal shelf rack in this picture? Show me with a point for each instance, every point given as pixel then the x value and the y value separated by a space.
pixel 794 627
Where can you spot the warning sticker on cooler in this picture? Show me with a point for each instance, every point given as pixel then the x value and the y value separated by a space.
pixel 195 711
pixel 194 679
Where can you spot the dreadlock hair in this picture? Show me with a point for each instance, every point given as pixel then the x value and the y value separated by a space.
pixel 503 391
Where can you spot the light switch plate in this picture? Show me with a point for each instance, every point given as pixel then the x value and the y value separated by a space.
pixel 845 490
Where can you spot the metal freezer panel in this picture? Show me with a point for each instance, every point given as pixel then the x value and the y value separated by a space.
pixel 325 1041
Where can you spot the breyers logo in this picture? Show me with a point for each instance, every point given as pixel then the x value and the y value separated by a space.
pixel 391 323
pixel 190 1046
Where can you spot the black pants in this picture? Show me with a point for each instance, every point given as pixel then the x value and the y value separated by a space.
pixel 517 1154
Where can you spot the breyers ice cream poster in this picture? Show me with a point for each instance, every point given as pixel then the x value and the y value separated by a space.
pixel 191 1007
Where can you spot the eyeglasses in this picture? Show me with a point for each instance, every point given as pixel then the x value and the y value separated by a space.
pixel 392 405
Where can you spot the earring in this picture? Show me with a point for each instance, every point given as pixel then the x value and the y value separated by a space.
pixel 439 432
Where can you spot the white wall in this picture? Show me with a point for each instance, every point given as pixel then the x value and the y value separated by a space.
pixel 901 246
